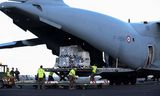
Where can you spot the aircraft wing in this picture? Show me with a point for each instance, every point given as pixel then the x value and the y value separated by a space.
pixel 29 42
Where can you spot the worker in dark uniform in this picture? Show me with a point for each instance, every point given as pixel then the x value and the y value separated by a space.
pixel 72 77
pixel 50 77
pixel 62 76
pixel 41 77
pixel 17 74
pixel 94 70
pixel 12 72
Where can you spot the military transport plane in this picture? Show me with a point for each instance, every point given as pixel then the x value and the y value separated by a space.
pixel 136 45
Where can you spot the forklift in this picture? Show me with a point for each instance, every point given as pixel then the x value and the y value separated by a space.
pixel 5 81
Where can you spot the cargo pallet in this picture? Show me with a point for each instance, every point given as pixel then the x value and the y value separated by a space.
pixel 63 84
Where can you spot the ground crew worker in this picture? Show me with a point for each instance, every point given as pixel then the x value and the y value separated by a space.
pixel 9 77
pixel 50 77
pixel 94 70
pixel 8 73
pixel 72 77
pixel 17 74
pixel 12 72
pixel 41 77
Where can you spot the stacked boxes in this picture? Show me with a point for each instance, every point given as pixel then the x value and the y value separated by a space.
pixel 84 58
pixel 73 56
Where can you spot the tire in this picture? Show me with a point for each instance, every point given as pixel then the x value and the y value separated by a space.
pixel 1 84
pixel 133 81
pixel 84 87
pixel 118 82
pixel 99 86
pixel 126 82
pixel 35 86
pixel 8 86
pixel 111 82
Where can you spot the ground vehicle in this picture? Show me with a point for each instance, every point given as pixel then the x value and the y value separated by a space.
pixel 4 80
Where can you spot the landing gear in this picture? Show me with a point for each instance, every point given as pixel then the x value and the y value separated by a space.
pixel 111 82
pixel 118 78
pixel 133 81
pixel 8 86
pixel 123 81
pixel 118 82
pixel 126 82
pixel 1 84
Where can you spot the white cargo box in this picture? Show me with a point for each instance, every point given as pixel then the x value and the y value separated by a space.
pixel 85 59
pixel 73 56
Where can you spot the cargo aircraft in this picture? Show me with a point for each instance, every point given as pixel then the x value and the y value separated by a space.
pixel 134 45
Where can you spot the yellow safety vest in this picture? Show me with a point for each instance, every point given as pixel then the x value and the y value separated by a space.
pixel 41 73
pixel 8 73
pixel 94 69
pixel 72 72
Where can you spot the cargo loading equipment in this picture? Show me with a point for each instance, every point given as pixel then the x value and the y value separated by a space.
pixel 81 83
pixel 111 74
pixel 75 57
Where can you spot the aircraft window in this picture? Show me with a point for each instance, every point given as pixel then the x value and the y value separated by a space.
pixel 37 6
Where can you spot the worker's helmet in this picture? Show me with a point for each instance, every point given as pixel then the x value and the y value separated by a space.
pixel 41 66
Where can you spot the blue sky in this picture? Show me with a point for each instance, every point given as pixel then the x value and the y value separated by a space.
pixel 28 59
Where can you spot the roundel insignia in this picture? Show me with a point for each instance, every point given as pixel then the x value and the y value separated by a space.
pixel 128 39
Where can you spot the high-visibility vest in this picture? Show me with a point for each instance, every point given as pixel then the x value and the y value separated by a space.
pixel 94 69
pixel 72 72
pixel 8 73
pixel 41 73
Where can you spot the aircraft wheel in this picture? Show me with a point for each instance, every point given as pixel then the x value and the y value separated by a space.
pixel 1 84
pixel 111 82
pixel 118 82
pixel 8 86
pixel 125 82
pixel 133 81
pixel 84 87
pixel 99 86
pixel 35 86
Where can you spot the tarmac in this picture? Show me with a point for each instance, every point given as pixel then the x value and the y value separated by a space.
pixel 140 89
